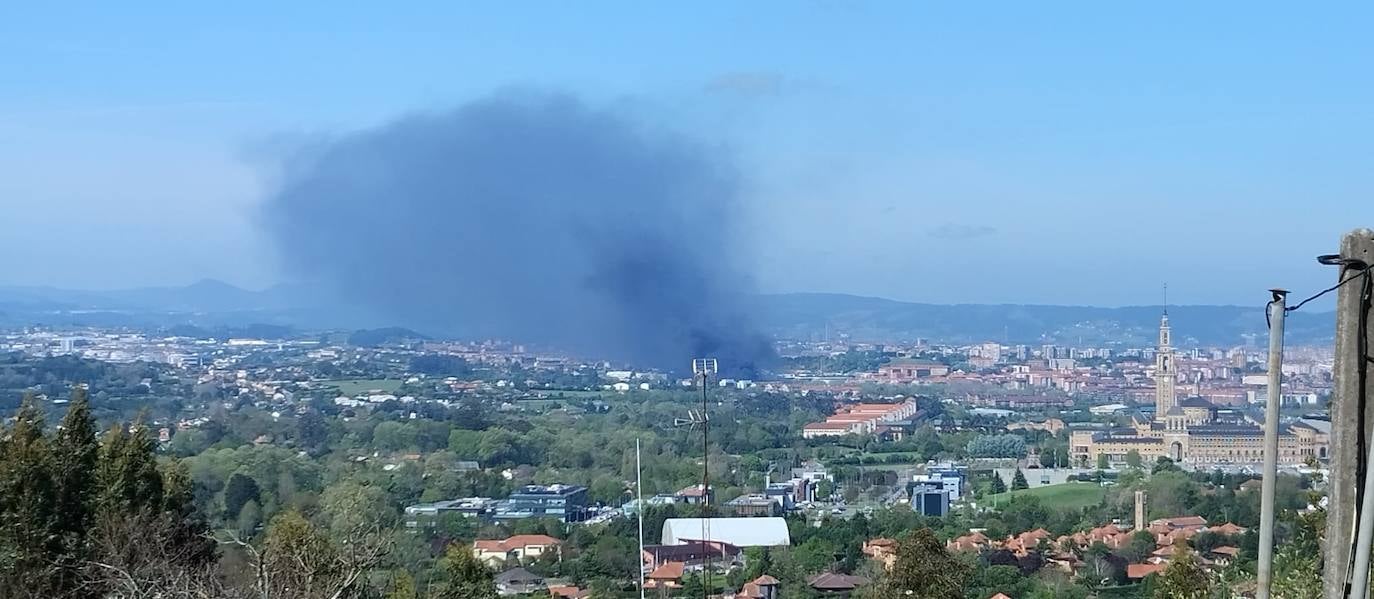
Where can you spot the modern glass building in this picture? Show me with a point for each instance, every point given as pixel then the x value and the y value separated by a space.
pixel 565 502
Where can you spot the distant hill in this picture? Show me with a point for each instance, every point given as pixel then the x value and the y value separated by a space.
pixel 807 315
pixel 206 295
pixel 216 305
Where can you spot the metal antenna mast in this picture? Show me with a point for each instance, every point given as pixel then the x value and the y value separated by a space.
pixel 703 368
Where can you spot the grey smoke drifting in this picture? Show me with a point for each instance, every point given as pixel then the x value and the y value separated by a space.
pixel 529 217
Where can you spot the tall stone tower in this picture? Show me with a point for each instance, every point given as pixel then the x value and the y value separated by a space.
pixel 1140 510
pixel 1166 372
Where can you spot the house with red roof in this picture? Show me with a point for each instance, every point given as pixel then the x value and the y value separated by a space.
pixel 974 541
pixel 519 548
pixel 882 550
pixel 763 587
pixel 665 578
pixel 1224 555
pixel 567 592
pixel 1140 571
pixel 1227 529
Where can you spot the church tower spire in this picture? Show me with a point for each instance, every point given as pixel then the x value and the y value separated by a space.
pixel 1166 373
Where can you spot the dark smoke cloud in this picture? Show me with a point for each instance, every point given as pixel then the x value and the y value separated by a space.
pixel 530 217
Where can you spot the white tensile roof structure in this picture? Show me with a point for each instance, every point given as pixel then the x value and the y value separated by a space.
pixel 740 532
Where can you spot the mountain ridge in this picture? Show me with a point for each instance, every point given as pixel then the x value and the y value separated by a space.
pixel 793 315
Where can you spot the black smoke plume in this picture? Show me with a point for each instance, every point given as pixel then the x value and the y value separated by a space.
pixel 529 217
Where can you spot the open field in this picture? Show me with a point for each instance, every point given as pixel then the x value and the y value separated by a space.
pixel 1063 496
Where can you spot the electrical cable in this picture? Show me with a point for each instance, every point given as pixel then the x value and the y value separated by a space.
pixel 1334 260
pixel 1351 270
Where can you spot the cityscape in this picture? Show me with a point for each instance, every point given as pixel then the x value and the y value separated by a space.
pixel 712 300
pixel 1044 458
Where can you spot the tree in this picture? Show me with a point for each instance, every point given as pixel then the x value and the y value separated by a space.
pixel 825 489
pixel 997 446
pixel 74 458
pixel 393 435
pixel 1164 464
pixel 1133 459
pixel 1184 578
pixel 30 545
pixel 311 430
pixel 1141 545
pixel 997 486
pixel 461 576
pixel 1018 481
pixel 1102 463
pixel 924 569
pixel 126 472
pixel 296 557
pixel 1101 567
pixel 1297 563
pixel 1007 579
pixel 145 557
pixel 249 517
pixel 240 490
pixel 402 586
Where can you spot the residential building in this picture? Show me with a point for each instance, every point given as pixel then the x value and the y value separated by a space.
pixel 518 581
pixel 882 550
pixel 862 419
pixel 665 578
pixel 763 587
pixel 495 552
pixel 695 494
pixel 830 583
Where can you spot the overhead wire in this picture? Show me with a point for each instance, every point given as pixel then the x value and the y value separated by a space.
pixel 1352 270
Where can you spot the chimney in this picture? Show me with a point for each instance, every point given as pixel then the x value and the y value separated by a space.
pixel 1140 510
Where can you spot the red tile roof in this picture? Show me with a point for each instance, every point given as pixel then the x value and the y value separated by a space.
pixel 1137 571
pixel 567 592
pixel 668 571
pixel 517 541
pixel 1227 529
pixel 1181 522
pixel 836 582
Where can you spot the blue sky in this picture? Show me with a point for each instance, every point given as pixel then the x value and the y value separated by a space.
pixel 990 153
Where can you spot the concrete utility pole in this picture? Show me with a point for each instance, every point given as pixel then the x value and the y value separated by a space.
pixel 1277 311
pixel 639 511
pixel 1357 247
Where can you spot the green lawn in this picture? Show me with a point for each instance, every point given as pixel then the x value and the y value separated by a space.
pixel 352 387
pixel 1064 496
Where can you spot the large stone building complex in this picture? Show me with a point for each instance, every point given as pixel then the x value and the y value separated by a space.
pixel 1190 432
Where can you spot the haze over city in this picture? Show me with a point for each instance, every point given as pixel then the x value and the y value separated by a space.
pixel 937 154
pixel 695 300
